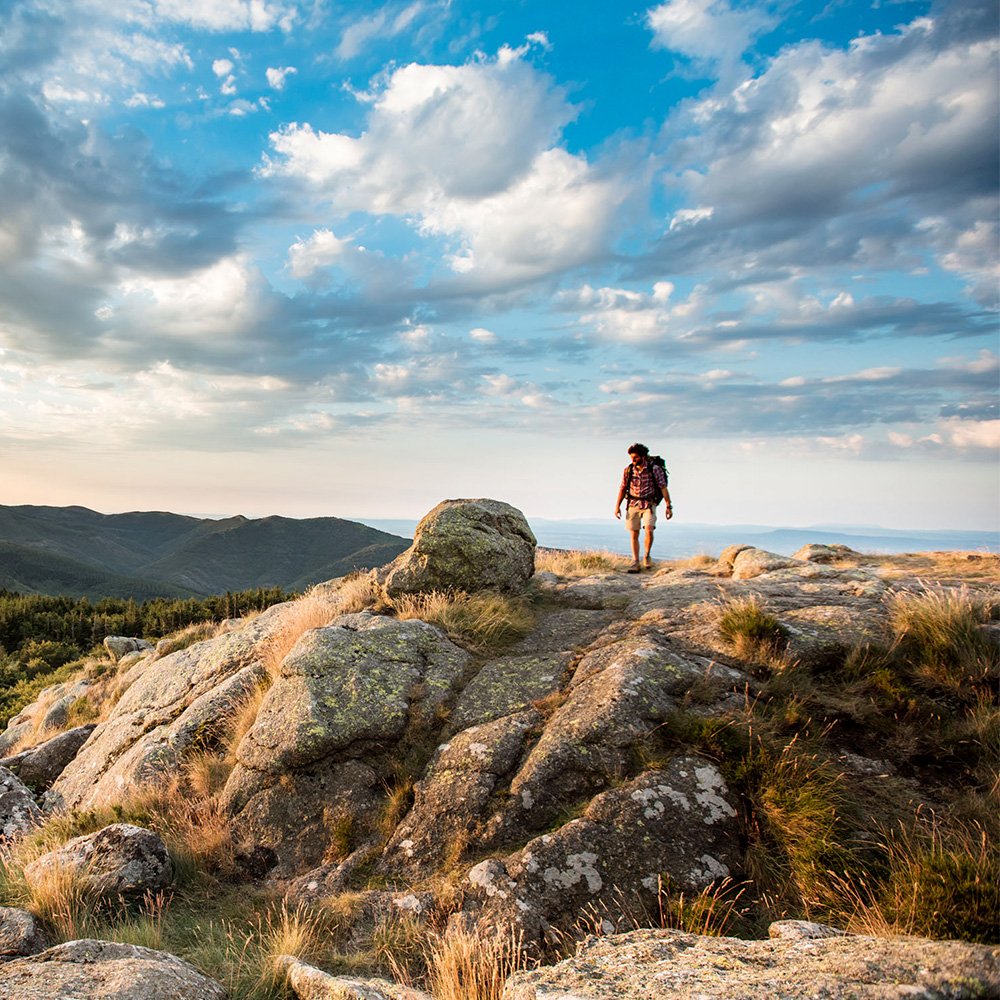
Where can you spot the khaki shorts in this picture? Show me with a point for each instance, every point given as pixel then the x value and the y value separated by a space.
pixel 636 518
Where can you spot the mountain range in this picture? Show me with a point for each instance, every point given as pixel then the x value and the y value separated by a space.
pixel 143 554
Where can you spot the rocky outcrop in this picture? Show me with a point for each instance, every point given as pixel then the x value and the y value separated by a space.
pixel 676 824
pixel 40 765
pixel 818 553
pixel 347 700
pixel 48 713
pixel 309 983
pixel 119 645
pixel 452 802
pixel 672 965
pixel 183 703
pixel 751 562
pixel 18 812
pixel 468 545
pixel 102 970
pixel 119 862
pixel 20 934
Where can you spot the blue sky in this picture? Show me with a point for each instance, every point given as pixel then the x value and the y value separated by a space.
pixel 267 256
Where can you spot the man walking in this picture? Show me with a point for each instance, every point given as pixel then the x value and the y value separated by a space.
pixel 643 483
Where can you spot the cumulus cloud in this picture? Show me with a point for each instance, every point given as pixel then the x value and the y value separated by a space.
pixel 845 157
pixel 276 76
pixel 711 33
pixel 514 210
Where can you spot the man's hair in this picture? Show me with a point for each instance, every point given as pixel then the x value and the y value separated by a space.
pixel 638 449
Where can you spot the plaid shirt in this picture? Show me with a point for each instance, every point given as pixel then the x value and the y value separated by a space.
pixel 642 485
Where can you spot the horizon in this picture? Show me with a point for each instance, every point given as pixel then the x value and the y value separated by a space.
pixel 278 256
pixel 664 527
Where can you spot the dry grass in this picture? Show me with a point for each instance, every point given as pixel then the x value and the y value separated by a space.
pixel 356 593
pixel 938 632
pixel 715 911
pixel 311 611
pixel 471 964
pixel 935 882
pixel 576 563
pixel 243 718
pixel 753 633
pixel 299 932
pixel 463 963
pixel 188 636
pixel 482 622
pixel 970 567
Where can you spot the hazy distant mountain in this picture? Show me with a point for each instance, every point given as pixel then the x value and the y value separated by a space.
pixel 77 551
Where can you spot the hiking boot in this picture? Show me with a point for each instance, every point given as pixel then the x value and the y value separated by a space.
pixel 647 563
pixel 634 568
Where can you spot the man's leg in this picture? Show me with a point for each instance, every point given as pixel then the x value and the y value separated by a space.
pixel 634 538
pixel 649 541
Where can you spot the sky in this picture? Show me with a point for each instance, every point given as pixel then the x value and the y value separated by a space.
pixel 313 258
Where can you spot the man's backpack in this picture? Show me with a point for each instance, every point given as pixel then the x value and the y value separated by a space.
pixel 657 492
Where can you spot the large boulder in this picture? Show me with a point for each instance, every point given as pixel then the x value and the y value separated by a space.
pixel 119 862
pixel 18 812
pixel 183 704
pixel 620 693
pixel 49 711
pixel 40 765
pixel 350 698
pixel 673 965
pixel 677 824
pixel 120 645
pixel 103 970
pixel 468 545
pixel 752 562
pixel 452 800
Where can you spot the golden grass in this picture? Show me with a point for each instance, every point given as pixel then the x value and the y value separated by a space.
pixel 578 563
pixel 188 636
pixel 938 631
pixel 938 883
pixel 242 720
pixel 356 593
pixel 300 932
pixel 464 964
pixel 311 611
pixel 753 633
pixel 483 621
pixel 970 567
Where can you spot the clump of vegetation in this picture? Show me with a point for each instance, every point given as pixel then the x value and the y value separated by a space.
pixel 573 563
pixel 485 621
pixel 939 633
pixel 754 633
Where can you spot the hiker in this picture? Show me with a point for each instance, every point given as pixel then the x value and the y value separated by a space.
pixel 644 482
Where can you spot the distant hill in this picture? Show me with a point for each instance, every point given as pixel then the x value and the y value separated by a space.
pixel 142 554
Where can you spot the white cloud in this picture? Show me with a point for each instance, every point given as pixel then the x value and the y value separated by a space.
pixel 786 158
pixel 437 149
pixel 222 67
pixel 386 23
pixel 222 300
pixel 709 32
pixel 320 250
pixel 140 100
pixel 276 76
pixel 482 336
pixel 973 434
pixel 230 15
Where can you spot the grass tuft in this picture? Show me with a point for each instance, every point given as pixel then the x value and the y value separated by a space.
pixel 574 563
pixel 753 633
pixel 483 622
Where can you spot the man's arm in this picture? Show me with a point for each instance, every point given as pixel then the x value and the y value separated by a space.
pixel 618 502
pixel 661 481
